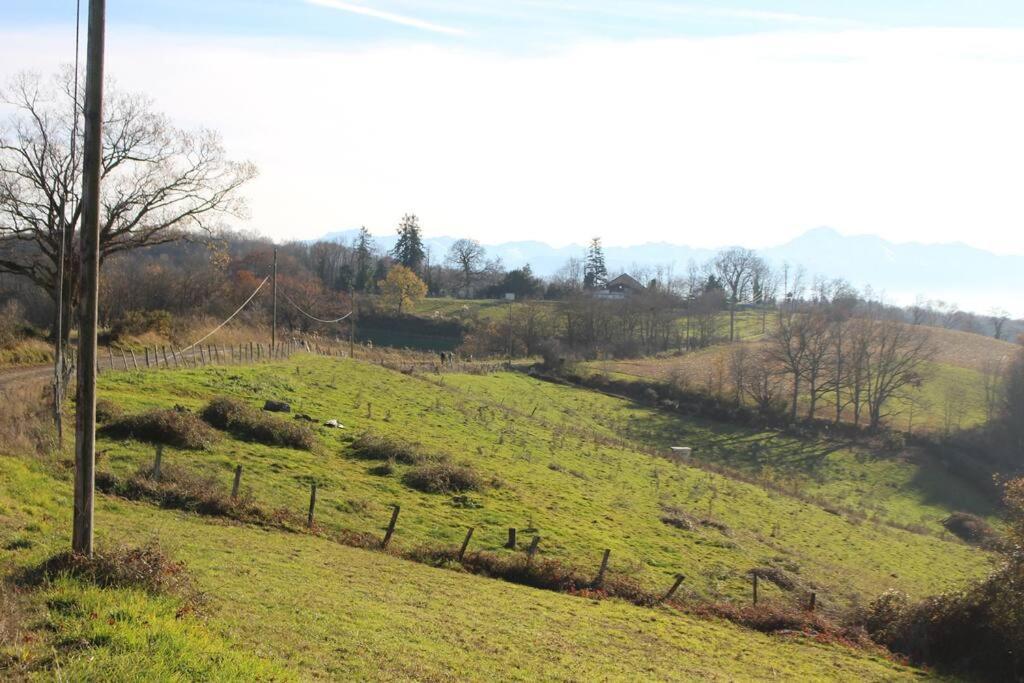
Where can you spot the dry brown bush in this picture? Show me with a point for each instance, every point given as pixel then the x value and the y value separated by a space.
pixel 178 428
pixel 247 422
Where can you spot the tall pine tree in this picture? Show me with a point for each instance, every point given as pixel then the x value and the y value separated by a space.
pixel 364 248
pixel 595 273
pixel 409 249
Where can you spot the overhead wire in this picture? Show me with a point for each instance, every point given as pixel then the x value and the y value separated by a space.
pixel 310 316
pixel 229 318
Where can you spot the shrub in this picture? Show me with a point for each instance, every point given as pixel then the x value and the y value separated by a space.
pixel 772 617
pixel 370 446
pixel 775 575
pixel 148 568
pixel 246 422
pixel 443 477
pixel 107 411
pixel 12 326
pixel 178 428
pixel 979 630
pixel 679 519
pixel 182 489
pixel 135 323
pixel 972 529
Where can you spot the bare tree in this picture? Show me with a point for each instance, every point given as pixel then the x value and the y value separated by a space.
pixel 896 361
pixel 998 318
pixel 817 333
pixel 735 268
pixel 763 384
pixel 466 256
pixel 788 350
pixel 992 381
pixel 159 182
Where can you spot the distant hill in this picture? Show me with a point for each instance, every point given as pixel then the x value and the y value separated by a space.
pixel 972 278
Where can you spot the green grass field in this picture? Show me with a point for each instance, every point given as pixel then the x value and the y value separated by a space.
pixel 571 465
pixel 288 606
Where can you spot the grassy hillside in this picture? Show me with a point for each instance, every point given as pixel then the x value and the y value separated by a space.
pixel 288 606
pixel 570 466
pixel 951 397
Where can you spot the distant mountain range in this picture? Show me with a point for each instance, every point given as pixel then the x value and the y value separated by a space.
pixel 971 278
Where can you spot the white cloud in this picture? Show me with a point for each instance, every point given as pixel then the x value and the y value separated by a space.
pixel 387 16
pixel 910 134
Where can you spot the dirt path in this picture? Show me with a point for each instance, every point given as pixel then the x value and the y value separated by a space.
pixel 11 377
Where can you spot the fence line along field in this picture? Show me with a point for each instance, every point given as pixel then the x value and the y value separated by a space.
pixel 557 473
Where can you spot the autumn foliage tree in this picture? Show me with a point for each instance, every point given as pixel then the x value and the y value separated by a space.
pixel 402 288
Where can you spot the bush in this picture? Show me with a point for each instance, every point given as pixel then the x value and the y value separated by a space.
pixel 972 529
pixel 369 446
pixel 178 428
pixel 246 422
pixel 541 573
pixel 107 411
pixel 775 575
pixel 443 477
pixel 148 568
pixel 181 489
pixel 12 326
pixel 979 630
pixel 135 323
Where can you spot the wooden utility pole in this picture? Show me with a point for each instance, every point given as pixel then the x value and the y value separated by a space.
pixel 85 409
pixel 352 326
pixel 273 329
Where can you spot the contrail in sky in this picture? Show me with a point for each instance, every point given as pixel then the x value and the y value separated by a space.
pixel 388 16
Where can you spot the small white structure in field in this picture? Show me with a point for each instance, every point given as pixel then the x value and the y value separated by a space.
pixel 681 452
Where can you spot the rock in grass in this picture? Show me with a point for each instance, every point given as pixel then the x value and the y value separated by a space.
pixel 277 407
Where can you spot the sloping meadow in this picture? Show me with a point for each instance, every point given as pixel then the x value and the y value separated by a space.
pixel 553 462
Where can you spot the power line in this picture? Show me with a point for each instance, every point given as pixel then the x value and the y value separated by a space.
pixel 313 317
pixel 237 311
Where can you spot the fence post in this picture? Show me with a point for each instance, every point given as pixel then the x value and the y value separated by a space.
pixel 391 527
pixel 599 581
pixel 533 547
pixel 813 603
pixel 110 352
pixel 134 361
pixel 147 356
pixel 156 460
pixel 237 483
pixel 167 363
pixel 312 504
pixel 465 544
pixel 674 588
pixel 124 360
pixel 755 588
pixel 250 353
pixel 511 538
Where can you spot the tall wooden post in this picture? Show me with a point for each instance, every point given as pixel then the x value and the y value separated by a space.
pixel 88 312
pixel 273 324
pixel 352 327
pixel 391 527
pixel 237 483
pixel 599 581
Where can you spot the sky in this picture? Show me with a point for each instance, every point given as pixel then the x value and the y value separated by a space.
pixel 704 123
